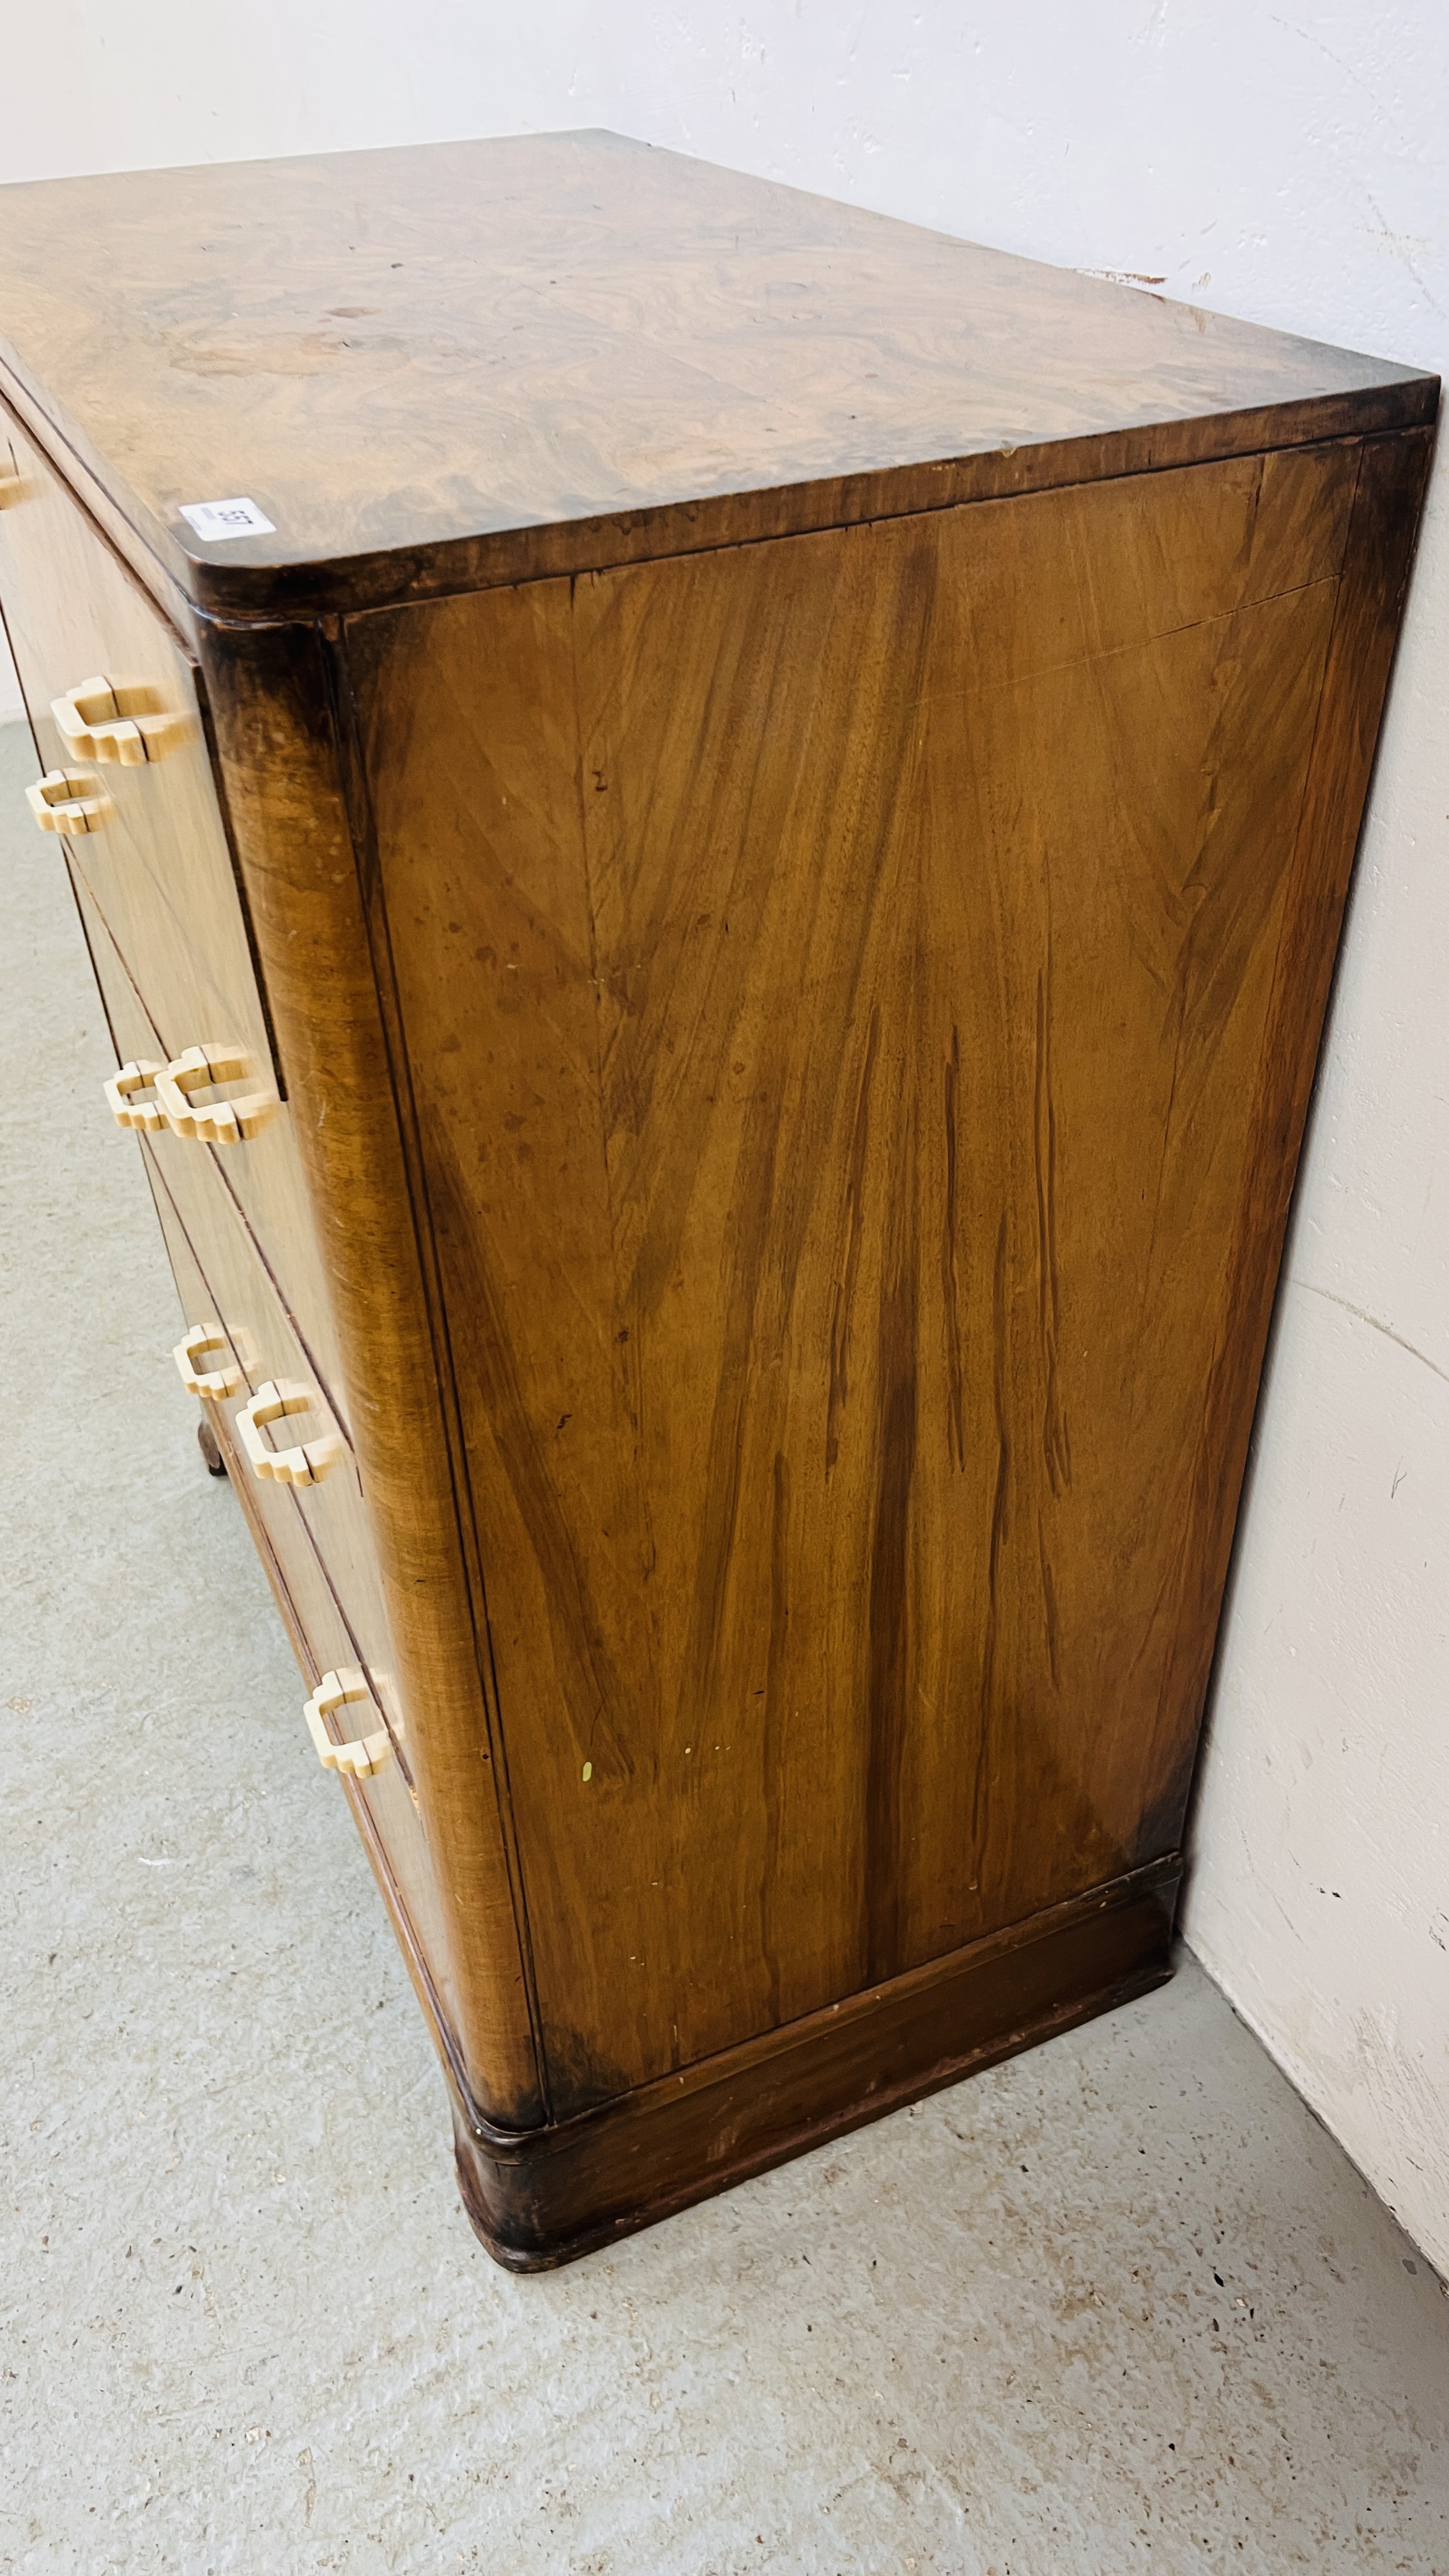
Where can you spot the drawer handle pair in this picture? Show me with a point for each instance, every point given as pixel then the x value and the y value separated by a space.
pixel 97 721
pixel 215 1122
pixel 367 1753
pixel 310 1460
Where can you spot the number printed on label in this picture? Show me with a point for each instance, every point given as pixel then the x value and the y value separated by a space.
pixel 220 519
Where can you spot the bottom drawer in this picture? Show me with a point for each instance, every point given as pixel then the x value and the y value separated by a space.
pixel 321 1632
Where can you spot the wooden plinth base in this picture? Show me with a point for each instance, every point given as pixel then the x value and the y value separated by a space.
pixel 542 2197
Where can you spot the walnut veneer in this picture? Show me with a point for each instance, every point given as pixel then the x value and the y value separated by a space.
pixel 769 825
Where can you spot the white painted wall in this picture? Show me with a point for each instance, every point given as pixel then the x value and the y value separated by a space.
pixel 1284 166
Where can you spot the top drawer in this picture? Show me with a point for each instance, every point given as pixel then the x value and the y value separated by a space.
pixel 153 864
pixel 155 855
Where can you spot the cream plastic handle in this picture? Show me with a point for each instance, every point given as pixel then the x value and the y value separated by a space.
pixel 61 804
pixel 367 1753
pixel 123 1098
pixel 311 1460
pixel 212 1384
pixel 97 721
pixel 217 1122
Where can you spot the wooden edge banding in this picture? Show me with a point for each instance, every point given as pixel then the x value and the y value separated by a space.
pixel 567 546
pixel 541 2199
pixel 353 771
pixel 185 584
pixel 1378 556
pixel 279 763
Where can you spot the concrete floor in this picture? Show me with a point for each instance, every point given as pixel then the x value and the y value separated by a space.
pixel 1119 2304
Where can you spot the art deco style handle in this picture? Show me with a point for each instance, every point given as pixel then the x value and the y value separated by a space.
pixel 217 1122
pixel 123 1097
pixel 61 804
pixel 97 721
pixel 213 1384
pixel 311 1460
pixel 367 1753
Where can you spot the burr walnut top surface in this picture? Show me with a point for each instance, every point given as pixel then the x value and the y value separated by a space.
pixel 473 362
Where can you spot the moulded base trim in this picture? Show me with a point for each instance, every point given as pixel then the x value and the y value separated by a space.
pixel 542 2197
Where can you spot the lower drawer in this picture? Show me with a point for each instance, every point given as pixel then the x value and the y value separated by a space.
pixel 332 1624
pixel 268 1352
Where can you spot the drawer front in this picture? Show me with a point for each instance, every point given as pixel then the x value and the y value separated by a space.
pixel 269 1353
pixel 260 1176
pixel 270 1343
pixel 156 859
pixel 156 865
pixel 335 1631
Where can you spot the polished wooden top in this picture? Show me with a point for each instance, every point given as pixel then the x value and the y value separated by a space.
pixel 475 361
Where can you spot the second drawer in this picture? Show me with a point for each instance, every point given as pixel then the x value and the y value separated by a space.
pixel 259 1175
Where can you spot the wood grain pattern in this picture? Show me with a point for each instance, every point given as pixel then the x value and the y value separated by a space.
pixel 486 361
pixel 282 767
pixel 1387 501
pixel 542 2200
pixel 239 1208
pixel 20 410
pixel 160 868
pixel 782 796
pixel 259 1181
pixel 832 975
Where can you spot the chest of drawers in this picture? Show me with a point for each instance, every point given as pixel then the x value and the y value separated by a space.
pixel 716 920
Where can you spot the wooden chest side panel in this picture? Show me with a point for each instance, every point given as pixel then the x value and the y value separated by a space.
pixel 282 766
pixel 834 977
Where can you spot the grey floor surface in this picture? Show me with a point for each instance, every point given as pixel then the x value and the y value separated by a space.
pixel 1119 2304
